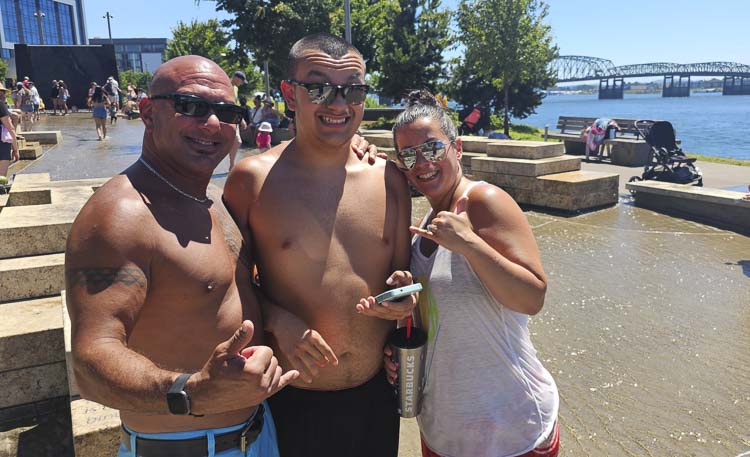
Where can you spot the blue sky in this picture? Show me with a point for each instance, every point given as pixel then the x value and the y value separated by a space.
pixel 635 31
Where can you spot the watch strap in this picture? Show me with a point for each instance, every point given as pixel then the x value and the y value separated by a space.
pixel 179 384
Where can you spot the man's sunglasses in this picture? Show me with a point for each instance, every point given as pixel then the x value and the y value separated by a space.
pixel 319 93
pixel 191 105
pixel 433 151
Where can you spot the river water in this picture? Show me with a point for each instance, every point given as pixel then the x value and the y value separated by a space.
pixel 707 123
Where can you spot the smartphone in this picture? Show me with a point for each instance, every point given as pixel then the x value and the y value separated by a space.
pixel 401 292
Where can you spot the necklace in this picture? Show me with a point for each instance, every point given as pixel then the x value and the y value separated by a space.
pixel 181 192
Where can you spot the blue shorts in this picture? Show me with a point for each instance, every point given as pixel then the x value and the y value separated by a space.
pixel 264 446
pixel 99 112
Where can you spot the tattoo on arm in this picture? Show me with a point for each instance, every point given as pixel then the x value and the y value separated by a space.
pixel 97 279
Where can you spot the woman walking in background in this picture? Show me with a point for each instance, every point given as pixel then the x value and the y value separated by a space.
pixel 486 394
pixel 99 104
pixel 63 96
pixel 8 144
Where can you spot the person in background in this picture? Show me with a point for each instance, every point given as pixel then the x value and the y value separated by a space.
pixel 34 101
pixel 90 94
pixel 26 102
pixel 269 113
pixel 53 94
pixel 63 96
pixel 8 143
pixel 100 102
pixel 486 394
pixel 16 94
pixel 263 138
pixel 747 196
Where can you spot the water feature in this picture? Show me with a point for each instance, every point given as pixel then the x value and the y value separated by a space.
pixel 707 123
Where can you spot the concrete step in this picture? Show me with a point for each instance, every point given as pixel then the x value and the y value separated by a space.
pixel 96 429
pixel 32 352
pixel 35 230
pixel 524 167
pixel 25 278
pixel 24 179
pixel 44 136
pixel 384 140
pixel 40 193
pixel 4 200
pixel 30 151
pixel 476 144
pixel 531 150
pixel 569 191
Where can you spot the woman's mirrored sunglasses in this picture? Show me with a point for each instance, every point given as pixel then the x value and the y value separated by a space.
pixel 319 93
pixel 191 105
pixel 433 151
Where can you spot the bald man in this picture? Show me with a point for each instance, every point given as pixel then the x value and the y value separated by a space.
pixel 162 330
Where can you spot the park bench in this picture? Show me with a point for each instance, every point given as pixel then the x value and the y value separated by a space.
pixel 627 149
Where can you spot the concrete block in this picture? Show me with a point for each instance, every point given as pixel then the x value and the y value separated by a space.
pixel 507 181
pixel 466 160
pixel 523 167
pixel 96 429
pixel 31 334
pixel 628 152
pixel 30 151
pixel 530 150
pixel 24 179
pixel 477 144
pixel 4 200
pixel 578 182
pixel 44 136
pixel 380 139
pixel 24 278
pixel 39 193
pixel 716 207
pixel 71 195
pixel 35 230
pixel 32 384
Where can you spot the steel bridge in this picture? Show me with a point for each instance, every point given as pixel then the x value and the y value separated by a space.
pixel 676 76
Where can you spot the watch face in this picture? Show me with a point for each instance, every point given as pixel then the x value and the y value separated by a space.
pixel 179 403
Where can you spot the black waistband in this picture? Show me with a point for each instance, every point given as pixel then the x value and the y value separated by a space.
pixel 198 447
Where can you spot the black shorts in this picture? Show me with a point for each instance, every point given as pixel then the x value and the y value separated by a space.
pixel 357 422
pixel 5 149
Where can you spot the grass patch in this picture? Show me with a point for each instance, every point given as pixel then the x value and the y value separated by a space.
pixel 724 160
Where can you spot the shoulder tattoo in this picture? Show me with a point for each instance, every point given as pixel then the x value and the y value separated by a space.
pixel 98 279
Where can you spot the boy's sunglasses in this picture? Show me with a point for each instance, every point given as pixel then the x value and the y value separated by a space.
pixel 319 93
pixel 191 105
pixel 433 151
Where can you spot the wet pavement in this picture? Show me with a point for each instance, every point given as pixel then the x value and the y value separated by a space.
pixel 646 326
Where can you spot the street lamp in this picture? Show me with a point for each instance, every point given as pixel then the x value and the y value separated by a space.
pixel 39 15
pixel 109 26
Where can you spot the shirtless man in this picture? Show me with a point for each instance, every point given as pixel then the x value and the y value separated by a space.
pixel 327 230
pixel 152 268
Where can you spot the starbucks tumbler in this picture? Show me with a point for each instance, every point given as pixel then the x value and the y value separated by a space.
pixel 409 345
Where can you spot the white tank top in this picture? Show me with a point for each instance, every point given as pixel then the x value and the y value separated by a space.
pixel 486 393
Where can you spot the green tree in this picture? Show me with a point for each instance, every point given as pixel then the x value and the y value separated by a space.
pixel 508 50
pixel 268 29
pixel 410 53
pixel 210 40
pixel 137 78
pixel 3 69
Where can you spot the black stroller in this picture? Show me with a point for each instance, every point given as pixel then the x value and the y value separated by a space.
pixel 666 161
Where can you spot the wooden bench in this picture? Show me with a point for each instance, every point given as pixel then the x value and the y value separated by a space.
pixel 627 149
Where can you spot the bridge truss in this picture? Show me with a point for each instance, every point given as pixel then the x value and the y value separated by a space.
pixel 583 68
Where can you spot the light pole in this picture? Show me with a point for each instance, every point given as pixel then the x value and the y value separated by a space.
pixel 39 15
pixel 109 26
pixel 348 21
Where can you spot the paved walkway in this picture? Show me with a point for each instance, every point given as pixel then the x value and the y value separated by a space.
pixel 646 326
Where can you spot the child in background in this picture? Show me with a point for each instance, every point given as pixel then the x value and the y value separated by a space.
pixel 263 138
pixel 112 113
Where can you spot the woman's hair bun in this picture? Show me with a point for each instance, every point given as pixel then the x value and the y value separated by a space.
pixel 421 97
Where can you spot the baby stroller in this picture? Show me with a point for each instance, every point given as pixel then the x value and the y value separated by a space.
pixel 666 161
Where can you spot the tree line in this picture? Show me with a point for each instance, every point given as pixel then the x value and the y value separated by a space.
pixel 504 46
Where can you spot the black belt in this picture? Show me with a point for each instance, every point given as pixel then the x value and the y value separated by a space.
pixel 198 447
